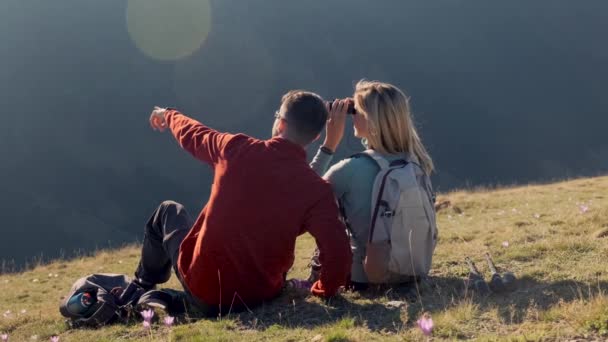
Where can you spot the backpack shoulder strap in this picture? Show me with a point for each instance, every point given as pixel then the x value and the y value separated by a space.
pixel 382 163
pixel 378 192
pixel 380 160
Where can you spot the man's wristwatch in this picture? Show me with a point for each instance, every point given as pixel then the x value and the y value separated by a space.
pixel 326 150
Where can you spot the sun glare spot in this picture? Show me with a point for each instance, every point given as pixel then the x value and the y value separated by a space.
pixel 168 30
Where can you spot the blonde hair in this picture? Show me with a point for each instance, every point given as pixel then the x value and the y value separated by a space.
pixel 391 129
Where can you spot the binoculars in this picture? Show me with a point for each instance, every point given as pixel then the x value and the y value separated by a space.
pixel 499 283
pixel 351 107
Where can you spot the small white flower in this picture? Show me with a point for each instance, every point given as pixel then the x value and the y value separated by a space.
pixel 55 275
pixel 505 244
pixel 34 337
pixel 35 280
pixel 120 261
pixel 536 216
pixel 7 314
pixel 23 312
pixel 50 275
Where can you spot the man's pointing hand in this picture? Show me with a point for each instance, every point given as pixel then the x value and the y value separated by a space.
pixel 157 119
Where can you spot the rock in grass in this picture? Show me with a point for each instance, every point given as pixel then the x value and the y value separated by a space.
pixel 442 205
pixel 317 338
pixel 395 304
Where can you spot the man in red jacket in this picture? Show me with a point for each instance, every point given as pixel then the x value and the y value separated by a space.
pixel 264 195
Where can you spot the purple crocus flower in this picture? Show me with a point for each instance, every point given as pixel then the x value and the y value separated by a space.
pixel 169 320
pixel 4 337
pixel 146 324
pixel 425 323
pixel 147 315
pixel 55 338
pixel 583 208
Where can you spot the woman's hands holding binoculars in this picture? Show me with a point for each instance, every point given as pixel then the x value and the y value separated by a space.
pixel 334 129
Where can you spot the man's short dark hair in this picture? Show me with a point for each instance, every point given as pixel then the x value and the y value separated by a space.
pixel 305 113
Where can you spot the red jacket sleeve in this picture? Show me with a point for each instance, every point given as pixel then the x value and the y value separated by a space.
pixel 202 142
pixel 324 225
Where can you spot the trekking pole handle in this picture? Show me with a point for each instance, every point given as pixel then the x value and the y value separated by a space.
pixel 491 264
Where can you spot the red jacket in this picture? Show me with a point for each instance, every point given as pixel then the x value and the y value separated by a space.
pixel 264 195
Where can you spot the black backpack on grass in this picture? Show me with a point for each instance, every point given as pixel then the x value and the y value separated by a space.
pixel 101 299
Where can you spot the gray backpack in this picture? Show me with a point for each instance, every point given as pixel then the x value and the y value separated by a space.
pixel 403 231
pixel 115 299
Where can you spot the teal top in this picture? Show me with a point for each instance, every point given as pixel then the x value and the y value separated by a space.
pixel 352 180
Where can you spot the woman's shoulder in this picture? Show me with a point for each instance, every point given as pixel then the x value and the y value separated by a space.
pixel 354 163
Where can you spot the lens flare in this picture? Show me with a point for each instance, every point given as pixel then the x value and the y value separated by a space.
pixel 168 30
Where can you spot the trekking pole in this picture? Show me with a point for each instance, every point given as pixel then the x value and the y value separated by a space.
pixel 475 278
pixel 496 284
pixel 508 279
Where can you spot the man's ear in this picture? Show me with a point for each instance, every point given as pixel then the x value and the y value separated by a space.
pixel 282 126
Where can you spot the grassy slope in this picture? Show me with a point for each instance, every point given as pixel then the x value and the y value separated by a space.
pixel 553 247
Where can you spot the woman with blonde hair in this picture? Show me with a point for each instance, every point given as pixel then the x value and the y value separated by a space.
pixel 383 121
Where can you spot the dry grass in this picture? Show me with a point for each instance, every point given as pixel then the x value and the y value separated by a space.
pixel 557 251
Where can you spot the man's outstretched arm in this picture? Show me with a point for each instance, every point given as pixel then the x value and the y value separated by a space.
pixel 324 225
pixel 202 142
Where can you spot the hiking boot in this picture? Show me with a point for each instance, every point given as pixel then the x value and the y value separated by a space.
pixel 169 300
